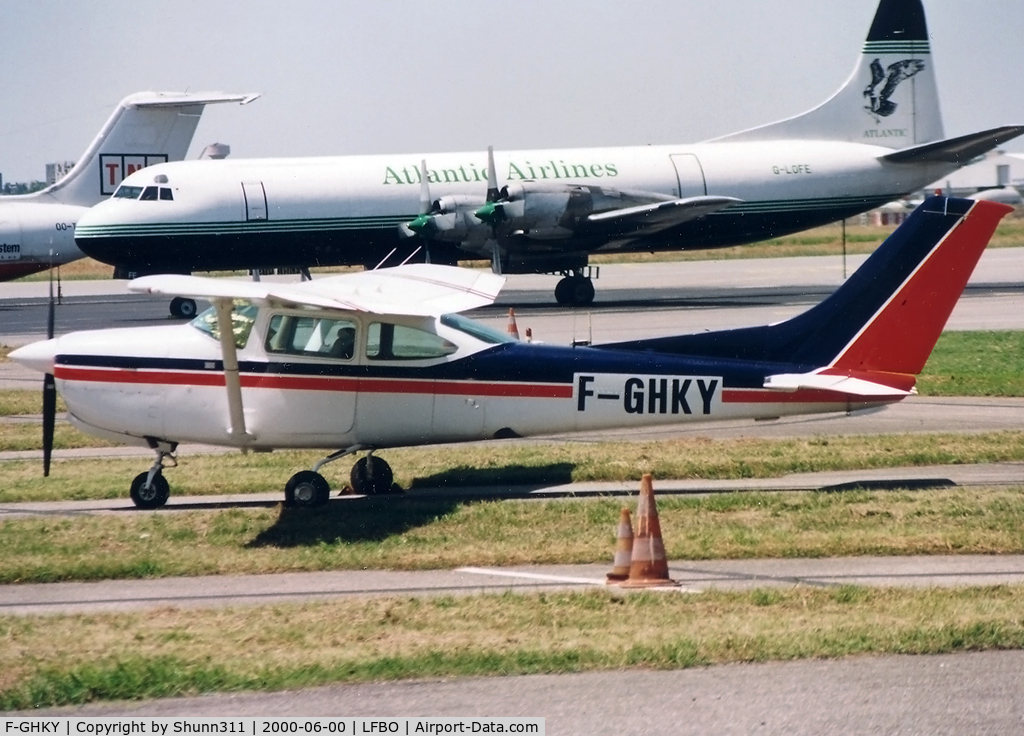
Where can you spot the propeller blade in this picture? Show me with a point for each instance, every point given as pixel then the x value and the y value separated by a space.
pixel 49 388
pixel 49 418
pixel 492 177
pixel 424 188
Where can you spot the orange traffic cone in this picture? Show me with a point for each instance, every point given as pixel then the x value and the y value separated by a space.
pixel 649 566
pixel 623 549
pixel 513 328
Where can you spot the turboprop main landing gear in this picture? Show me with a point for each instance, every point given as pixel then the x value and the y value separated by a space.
pixel 370 476
pixel 183 307
pixel 150 490
pixel 576 289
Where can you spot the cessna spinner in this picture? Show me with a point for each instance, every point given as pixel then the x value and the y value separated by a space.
pixel 378 359
pixel 37 231
pixel 877 139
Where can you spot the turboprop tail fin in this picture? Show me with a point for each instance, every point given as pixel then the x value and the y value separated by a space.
pixel 881 325
pixel 146 128
pixel 891 99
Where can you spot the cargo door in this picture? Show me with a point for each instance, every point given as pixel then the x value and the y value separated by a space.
pixel 689 175
pixel 255 200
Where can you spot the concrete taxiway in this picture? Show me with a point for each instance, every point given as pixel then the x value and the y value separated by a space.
pixel 966 693
pixel 692 576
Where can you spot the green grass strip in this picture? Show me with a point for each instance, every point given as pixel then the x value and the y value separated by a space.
pixel 77 659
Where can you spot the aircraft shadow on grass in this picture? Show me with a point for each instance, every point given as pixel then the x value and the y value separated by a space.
pixel 376 518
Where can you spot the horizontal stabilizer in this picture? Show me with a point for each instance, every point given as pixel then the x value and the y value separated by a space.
pixel 958 150
pixel 179 99
pixel 659 215
pixel 842 384
pixel 419 289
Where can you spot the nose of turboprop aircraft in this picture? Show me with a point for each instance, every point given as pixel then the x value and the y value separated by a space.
pixel 38 356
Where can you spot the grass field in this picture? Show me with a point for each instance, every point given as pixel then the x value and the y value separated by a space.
pixel 410 533
pixel 75 659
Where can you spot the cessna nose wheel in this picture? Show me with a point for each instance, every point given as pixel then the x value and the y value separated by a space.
pixel 150 494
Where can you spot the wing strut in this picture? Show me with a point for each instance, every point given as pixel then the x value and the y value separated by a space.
pixel 232 382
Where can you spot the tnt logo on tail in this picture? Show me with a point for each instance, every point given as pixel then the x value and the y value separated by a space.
pixel 114 167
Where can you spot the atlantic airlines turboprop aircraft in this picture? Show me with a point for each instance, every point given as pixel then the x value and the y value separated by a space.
pixel 378 359
pixel 877 139
pixel 37 231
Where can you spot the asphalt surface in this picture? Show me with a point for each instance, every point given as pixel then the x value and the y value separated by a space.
pixel 972 693
pixel 675 298
pixel 693 577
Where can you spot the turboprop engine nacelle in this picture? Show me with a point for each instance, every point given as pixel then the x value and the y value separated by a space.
pixel 553 211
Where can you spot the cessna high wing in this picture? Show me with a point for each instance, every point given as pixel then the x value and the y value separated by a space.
pixel 377 359
pixel 37 231
pixel 878 138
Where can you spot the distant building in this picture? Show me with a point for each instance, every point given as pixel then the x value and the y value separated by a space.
pixel 56 172
pixel 996 170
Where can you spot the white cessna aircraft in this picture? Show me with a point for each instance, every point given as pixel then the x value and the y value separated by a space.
pixel 37 230
pixel 377 359
pixel 877 139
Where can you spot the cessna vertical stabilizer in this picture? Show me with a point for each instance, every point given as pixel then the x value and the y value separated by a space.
pixel 378 359
pixel 38 230
pixel 879 138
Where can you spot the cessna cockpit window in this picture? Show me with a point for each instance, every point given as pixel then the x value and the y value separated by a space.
pixel 385 341
pixel 243 314
pixel 317 336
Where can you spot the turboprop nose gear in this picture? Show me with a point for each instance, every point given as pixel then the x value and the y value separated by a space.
pixel 576 289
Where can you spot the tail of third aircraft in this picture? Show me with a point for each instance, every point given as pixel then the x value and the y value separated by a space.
pixel 882 324
pixel 891 99
pixel 145 129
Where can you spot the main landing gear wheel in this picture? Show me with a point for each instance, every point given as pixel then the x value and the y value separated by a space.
pixel 575 291
pixel 371 476
pixel 152 495
pixel 307 489
pixel 183 307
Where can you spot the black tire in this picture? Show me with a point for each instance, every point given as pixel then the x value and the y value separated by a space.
pixel 562 289
pixel 371 476
pixel 581 293
pixel 183 308
pixel 307 489
pixel 188 308
pixel 152 497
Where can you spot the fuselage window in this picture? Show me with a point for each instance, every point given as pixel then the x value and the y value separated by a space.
pixel 126 192
pixel 293 334
pixel 385 341
pixel 149 193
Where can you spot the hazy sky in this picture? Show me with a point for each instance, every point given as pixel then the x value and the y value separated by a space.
pixel 374 77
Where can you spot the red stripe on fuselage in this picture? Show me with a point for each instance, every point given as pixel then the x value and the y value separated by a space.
pixel 318 383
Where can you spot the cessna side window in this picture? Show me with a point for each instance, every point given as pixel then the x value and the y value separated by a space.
pixel 293 334
pixel 243 314
pixel 476 329
pixel 385 341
